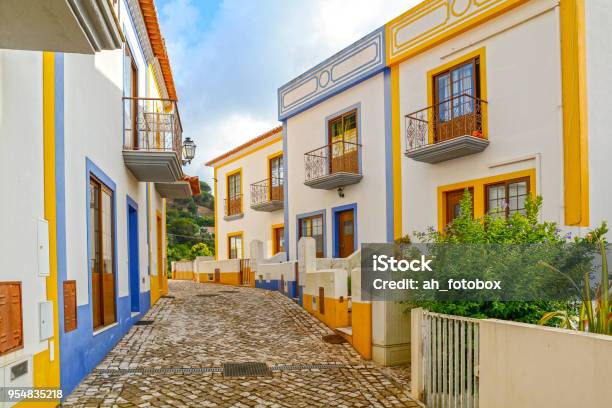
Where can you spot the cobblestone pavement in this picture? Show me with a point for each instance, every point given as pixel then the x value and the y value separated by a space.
pixel 198 334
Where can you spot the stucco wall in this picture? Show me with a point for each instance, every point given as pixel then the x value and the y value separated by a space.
pixel 523 81
pixel 307 131
pixel 524 365
pixel 254 224
pixel 21 166
pixel 599 95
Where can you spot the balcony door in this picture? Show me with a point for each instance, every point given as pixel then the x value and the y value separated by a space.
pixel 131 89
pixel 343 139
pixel 276 178
pixel 456 101
pixel 102 262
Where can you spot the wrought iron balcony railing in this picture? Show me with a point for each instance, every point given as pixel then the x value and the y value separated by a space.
pixel 337 157
pixel 267 191
pixel 461 115
pixel 233 205
pixel 152 125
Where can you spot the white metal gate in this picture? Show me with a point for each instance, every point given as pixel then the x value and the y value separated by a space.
pixel 450 355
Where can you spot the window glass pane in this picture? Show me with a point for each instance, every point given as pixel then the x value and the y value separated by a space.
pixel 95 261
pixel 496 196
pixel 517 193
pixel 443 94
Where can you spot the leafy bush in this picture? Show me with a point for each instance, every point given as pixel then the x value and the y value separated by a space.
pixel 516 229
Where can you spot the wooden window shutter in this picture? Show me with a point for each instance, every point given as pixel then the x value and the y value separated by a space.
pixel 70 306
pixel 11 319
pixel 322 300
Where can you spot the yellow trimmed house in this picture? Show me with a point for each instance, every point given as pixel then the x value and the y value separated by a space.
pixel 249 196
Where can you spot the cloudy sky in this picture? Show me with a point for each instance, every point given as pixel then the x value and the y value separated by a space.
pixel 229 57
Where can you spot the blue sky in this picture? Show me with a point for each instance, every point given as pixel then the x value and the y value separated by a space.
pixel 230 56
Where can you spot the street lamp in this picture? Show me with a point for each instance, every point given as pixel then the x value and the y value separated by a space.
pixel 189 148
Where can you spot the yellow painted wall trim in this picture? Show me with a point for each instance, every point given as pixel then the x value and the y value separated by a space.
pixel 46 372
pixel 216 214
pixel 253 150
pixel 481 54
pixel 442 32
pixel 397 153
pixel 478 185
pixel 574 99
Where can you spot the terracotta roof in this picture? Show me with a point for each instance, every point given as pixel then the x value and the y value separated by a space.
pixel 158 44
pixel 194 183
pixel 243 146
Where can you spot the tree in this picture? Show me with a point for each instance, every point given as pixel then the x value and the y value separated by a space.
pixel 200 249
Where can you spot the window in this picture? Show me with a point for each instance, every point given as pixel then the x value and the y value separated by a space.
pixel 234 243
pixel 313 227
pixel 278 240
pixel 234 193
pixel 456 101
pixel 343 143
pixel 453 203
pixel 506 198
pixel 102 262
pixel 276 178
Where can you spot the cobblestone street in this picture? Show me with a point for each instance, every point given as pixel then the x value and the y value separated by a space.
pixel 177 361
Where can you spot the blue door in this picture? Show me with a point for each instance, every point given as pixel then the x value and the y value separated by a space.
pixel 133 265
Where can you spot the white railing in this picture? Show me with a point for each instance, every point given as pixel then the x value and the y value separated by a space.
pixel 446 374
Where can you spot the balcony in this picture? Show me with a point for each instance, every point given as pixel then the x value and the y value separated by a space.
pixel 267 195
pixel 450 129
pixel 75 26
pixel 152 139
pixel 332 166
pixel 233 208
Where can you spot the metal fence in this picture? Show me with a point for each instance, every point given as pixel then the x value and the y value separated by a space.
pixel 461 115
pixel 152 124
pixel 270 189
pixel 449 362
pixel 336 157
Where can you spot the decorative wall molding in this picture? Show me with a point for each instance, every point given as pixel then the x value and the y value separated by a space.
pixel 358 61
pixel 433 21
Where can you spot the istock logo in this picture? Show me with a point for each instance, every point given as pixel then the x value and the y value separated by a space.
pixel 384 263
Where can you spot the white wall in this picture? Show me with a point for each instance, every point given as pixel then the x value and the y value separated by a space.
pixel 524 110
pixel 21 167
pixel 94 130
pixel 599 94
pixel 306 131
pixel 254 224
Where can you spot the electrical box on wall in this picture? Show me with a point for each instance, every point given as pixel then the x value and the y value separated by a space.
pixel 43 247
pixel 46 320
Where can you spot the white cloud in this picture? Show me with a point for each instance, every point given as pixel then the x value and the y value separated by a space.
pixel 228 72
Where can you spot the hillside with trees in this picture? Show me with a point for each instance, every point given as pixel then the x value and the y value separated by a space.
pixel 190 226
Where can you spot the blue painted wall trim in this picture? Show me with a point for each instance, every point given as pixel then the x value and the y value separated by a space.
pixel 388 155
pixel 297 228
pixel 336 227
pixel 321 77
pixel 286 191
pixel 357 107
pixel 80 349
